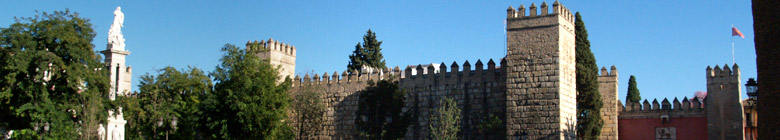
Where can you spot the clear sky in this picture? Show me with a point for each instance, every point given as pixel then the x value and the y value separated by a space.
pixel 666 44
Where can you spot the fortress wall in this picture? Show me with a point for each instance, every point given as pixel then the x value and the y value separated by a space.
pixel 682 120
pixel 340 98
pixel 479 93
pixel 608 88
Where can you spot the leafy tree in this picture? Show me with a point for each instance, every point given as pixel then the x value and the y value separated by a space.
pixel 168 95
pixel 369 54
pixel 309 109
pixel 380 114
pixel 445 122
pixel 247 103
pixel 492 127
pixel 633 91
pixel 52 77
pixel 589 102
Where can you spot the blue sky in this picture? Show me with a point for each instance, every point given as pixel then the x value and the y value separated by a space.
pixel 666 44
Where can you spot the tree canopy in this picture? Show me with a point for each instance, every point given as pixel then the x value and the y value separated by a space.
pixel 369 54
pixel 633 91
pixel 51 77
pixel 380 112
pixel 589 102
pixel 247 103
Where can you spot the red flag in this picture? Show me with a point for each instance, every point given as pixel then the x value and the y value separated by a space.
pixel 736 32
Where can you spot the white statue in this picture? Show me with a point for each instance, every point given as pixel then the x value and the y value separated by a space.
pixel 102 132
pixel 116 40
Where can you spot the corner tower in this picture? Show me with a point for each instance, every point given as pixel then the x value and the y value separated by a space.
pixel 277 53
pixel 723 105
pixel 541 92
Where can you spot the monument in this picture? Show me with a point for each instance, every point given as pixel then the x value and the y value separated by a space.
pixel 121 75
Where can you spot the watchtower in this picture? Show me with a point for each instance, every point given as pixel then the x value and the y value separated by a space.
pixel 276 53
pixel 723 105
pixel 541 92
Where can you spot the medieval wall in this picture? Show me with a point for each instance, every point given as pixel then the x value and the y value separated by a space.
pixel 724 105
pixel 608 88
pixel 479 93
pixel 340 98
pixel 277 53
pixel 664 120
pixel 541 90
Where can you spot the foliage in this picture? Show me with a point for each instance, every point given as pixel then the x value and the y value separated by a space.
pixel 380 114
pixel 50 74
pixel 492 127
pixel 369 54
pixel 170 94
pixel 633 91
pixel 445 122
pixel 589 102
pixel 309 109
pixel 247 102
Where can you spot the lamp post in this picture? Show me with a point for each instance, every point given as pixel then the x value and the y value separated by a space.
pixel 174 122
pixel 752 88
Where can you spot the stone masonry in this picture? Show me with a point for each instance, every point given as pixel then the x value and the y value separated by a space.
pixel 724 108
pixel 541 90
pixel 608 88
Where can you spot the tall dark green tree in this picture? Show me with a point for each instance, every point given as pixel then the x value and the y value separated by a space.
pixel 369 54
pixel 167 95
pixel 589 102
pixel 247 102
pixel 633 91
pixel 378 102
pixel 50 77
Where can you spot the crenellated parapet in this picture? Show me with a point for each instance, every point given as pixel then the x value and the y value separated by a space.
pixel 271 45
pixel 417 75
pixel 345 77
pixel 724 104
pixel 557 10
pixel 687 108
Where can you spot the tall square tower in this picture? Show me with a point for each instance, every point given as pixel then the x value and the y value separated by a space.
pixel 541 89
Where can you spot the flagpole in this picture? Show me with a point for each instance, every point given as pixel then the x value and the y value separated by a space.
pixel 733 60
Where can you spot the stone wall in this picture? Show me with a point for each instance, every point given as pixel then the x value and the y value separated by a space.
pixel 541 90
pixel 608 88
pixel 724 105
pixel 340 98
pixel 277 53
pixel 664 120
pixel 478 93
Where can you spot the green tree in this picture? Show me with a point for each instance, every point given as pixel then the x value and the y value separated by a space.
pixel 169 94
pixel 589 102
pixel 369 54
pixel 492 127
pixel 309 111
pixel 247 102
pixel 52 78
pixel 378 102
pixel 633 91
pixel 445 121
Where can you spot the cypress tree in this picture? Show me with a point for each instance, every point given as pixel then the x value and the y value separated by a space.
pixel 633 91
pixel 368 54
pixel 589 102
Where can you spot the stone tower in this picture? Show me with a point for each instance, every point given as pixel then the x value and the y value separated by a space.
pixel 277 53
pixel 724 108
pixel 608 88
pixel 120 76
pixel 541 92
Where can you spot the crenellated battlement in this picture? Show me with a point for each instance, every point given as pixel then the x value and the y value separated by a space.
pixel 724 74
pixel 455 75
pixel 687 108
pixel 345 77
pixel 557 9
pixel 271 45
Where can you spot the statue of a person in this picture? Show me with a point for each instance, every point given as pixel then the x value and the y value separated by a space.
pixel 115 38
